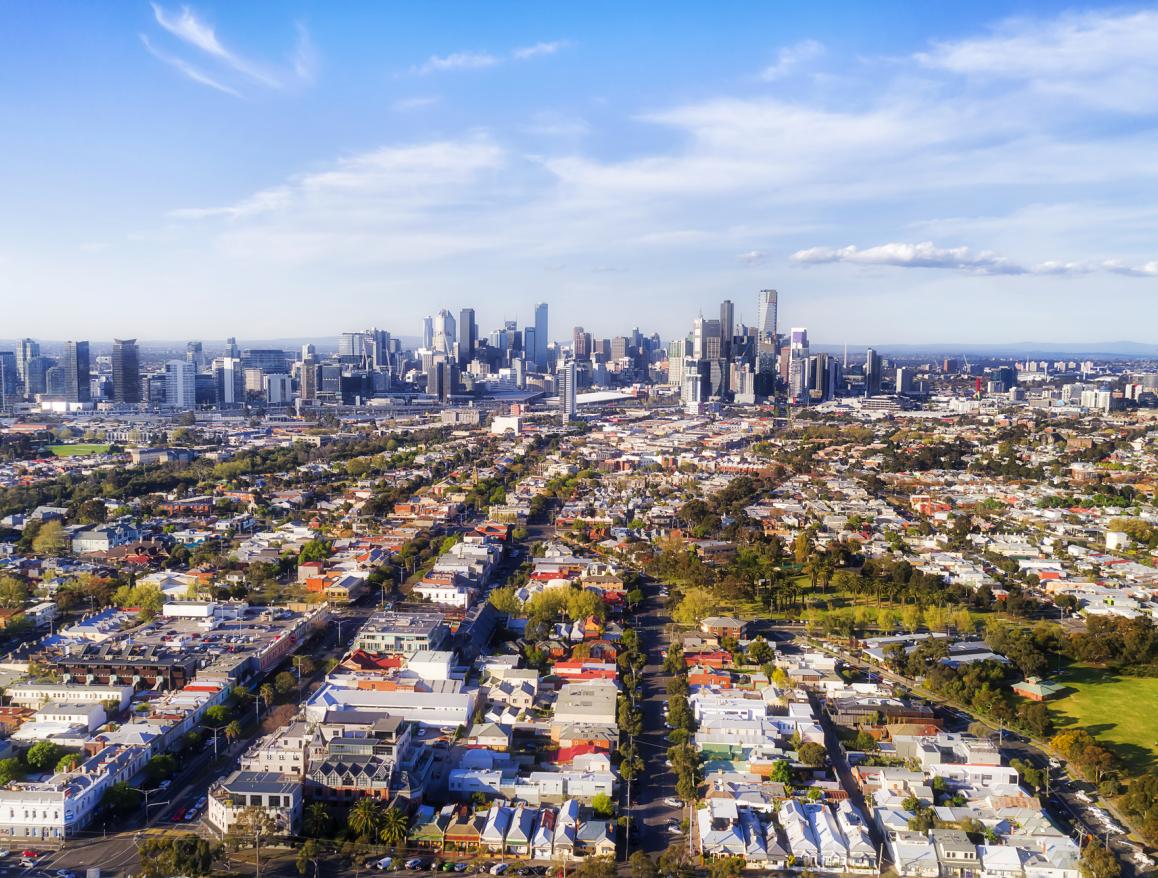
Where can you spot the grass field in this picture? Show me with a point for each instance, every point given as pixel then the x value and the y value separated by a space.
pixel 1117 710
pixel 77 450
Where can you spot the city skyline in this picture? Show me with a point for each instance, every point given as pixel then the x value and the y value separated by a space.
pixel 973 175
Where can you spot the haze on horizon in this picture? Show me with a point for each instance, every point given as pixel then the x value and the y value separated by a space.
pixel 901 175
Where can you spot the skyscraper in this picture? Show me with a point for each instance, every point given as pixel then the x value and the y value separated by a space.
pixel 581 341
pixel 195 355
pixel 126 371
pixel 872 373
pixel 798 363
pixel 231 348
pixel 428 332
pixel 567 391
pixel 27 350
pixel 467 336
pixel 78 374
pixel 727 327
pixel 444 333
pixel 10 389
pixel 706 339
pixel 766 320
pixel 180 384
pixel 541 337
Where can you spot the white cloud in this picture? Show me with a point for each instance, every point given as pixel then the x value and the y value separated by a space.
pixel 985 262
pixel 305 59
pixel 186 26
pixel 753 257
pixel 1101 58
pixel 187 69
pixel 457 61
pixel 791 57
pixel 418 102
pixel 538 49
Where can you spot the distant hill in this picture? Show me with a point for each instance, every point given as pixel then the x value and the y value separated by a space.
pixel 1039 349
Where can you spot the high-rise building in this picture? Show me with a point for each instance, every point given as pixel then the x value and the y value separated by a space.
pixel 309 377
pixel 542 337
pixel 444 333
pixel 581 342
pixel 467 336
pixel 428 332
pixel 28 349
pixel 706 344
pixel 126 371
pixel 231 349
pixel 278 389
pixel 10 384
pixel 766 321
pixel 727 327
pixel 530 343
pixel 195 354
pixel 568 390
pixel 798 363
pixel 872 373
pixel 906 376
pixel 78 375
pixel 230 382
pixel 352 345
pixel 180 384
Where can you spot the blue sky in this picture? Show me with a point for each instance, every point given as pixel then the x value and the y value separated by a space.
pixel 900 172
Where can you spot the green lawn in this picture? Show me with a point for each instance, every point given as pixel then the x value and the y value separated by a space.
pixel 1115 709
pixel 77 450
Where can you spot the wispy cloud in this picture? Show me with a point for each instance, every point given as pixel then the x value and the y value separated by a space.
pixel 538 50
pixel 753 257
pixel 928 255
pixel 418 102
pixel 186 26
pixel 791 57
pixel 478 60
pixel 457 61
pixel 305 60
pixel 187 69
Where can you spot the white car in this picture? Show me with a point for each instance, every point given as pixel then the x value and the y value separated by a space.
pixel 674 829
pixel 499 868
pixel 384 863
pixel 673 802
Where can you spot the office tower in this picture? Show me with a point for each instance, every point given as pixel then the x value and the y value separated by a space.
pixel 10 384
pixel 231 349
pixel 581 342
pixel 467 336
pixel 542 337
pixel 442 380
pixel 278 389
pixel 905 378
pixel 444 333
pixel 567 390
pixel 727 328
pixel 309 377
pixel 126 371
pixel 619 346
pixel 872 373
pixel 798 363
pixel 230 382
pixel 529 345
pixel 766 318
pixel 519 372
pixel 195 355
pixel 180 384
pixel 308 350
pixel 36 376
pixel 351 345
pixel 77 375
pixel 677 354
pixel 269 360
pixel 427 332
pixel 27 350
pixel 706 339
pixel 378 344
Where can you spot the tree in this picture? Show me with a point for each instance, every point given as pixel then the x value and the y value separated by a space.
pixel 811 754
pixel 186 855
pixel 504 601
pixel 642 866
pixel 266 693
pixel 160 767
pixel 252 826
pixel 308 855
pixel 10 770
pixel 395 827
pixel 13 592
pixel 285 683
pixel 233 731
pixel 1098 862
pixel 50 539
pixel 780 679
pixel 68 762
pixel 781 772
pixel 120 798
pixel 726 867
pixel 695 605
pixel 218 715
pixel 314 550
pixel 602 805
pixel 597 867
pixel 365 818
pixel 43 755
pixel 317 820
pixel 911 617
pixel 759 652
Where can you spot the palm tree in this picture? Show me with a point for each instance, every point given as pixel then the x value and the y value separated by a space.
pixel 365 818
pixel 266 692
pixel 317 820
pixel 233 731
pixel 395 827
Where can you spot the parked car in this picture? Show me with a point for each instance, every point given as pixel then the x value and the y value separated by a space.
pixel 461 866
pixel 414 864
pixel 384 864
pixel 673 802
pixel 499 868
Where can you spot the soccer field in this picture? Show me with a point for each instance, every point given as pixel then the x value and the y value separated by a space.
pixel 77 450
pixel 1115 709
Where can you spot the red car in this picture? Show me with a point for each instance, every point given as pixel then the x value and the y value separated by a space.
pixel 178 816
pixel 30 854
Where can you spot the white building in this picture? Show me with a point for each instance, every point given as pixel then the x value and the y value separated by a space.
pixel 278 795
